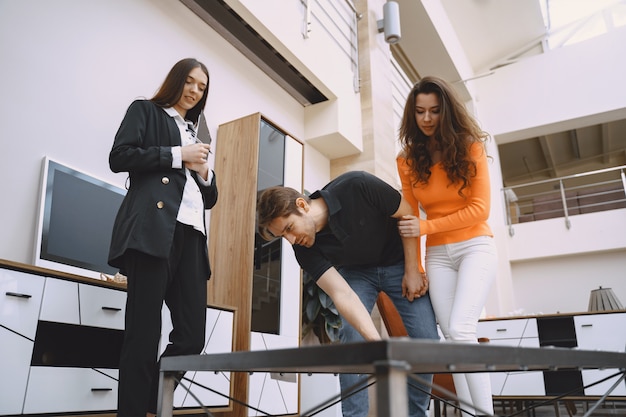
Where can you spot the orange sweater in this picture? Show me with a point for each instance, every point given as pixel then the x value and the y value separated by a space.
pixel 450 218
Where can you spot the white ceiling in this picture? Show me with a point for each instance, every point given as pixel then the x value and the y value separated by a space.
pixel 499 29
pixel 482 34
pixel 486 34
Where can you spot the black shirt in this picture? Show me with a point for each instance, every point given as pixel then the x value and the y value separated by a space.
pixel 360 229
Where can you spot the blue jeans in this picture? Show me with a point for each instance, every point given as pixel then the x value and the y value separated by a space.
pixel 418 318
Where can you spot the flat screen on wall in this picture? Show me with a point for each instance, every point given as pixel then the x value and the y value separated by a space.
pixel 75 220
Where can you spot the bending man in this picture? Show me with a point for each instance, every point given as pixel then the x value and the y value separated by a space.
pixel 345 235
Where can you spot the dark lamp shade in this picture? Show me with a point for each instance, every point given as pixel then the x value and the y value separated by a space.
pixel 604 299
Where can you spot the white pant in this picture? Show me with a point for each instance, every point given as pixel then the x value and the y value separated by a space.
pixel 460 277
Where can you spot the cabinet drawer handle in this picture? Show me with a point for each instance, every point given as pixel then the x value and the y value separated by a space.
pixel 111 308
pixel 500 330
pixel 587 325
pixel 17 294
pixel 101 389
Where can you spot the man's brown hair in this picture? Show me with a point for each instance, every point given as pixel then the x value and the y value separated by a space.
pixel 275 202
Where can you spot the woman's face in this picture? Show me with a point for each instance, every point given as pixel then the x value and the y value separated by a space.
pixel 427 113
pixel 192 91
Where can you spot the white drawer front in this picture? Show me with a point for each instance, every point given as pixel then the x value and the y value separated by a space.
pixel 58 390
pixel 601 331
pixel 219 382
pixel 524 382
pixel 20 300
pixel 101 307
pixel 219 331
pixel 219 339
pixel 15 354
pixel 507 329
pixel 517 383
pixel 593 375
pixel 272 392
pixel 60 302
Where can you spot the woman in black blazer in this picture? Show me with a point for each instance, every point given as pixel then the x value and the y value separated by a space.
pixel 159 237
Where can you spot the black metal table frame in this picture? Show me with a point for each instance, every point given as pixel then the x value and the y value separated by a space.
pixel 391 361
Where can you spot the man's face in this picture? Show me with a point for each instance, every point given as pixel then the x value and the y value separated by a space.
pixel 297 229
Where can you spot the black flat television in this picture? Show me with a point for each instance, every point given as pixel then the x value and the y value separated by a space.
pixel 75 219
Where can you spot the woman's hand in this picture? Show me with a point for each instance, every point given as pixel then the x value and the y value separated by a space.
pixel 414 285
pixel 409 226
pixel 195 158
pixel 198 153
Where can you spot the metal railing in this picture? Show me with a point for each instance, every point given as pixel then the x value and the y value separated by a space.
pixel 582 193
pixel 339 20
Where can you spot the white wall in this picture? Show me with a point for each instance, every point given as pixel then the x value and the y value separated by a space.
pixel 538 94
pixel 316 169
pixel 588 233
pixel 564 284
pixel 334 126
pixel 70 70
pixel 500 298
pixel 555 268
pixel 565 88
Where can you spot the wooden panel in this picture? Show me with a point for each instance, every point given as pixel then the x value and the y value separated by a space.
pixel 231 238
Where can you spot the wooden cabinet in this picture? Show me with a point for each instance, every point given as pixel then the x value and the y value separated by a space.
pixel 558 331
pixel 240 176
pixel 219 339
pixel 61 337
pixel 601 332
pixel 508 329
pixel 101 307
pixel 20 300
pixel 79 328
pixel 67 311
pixel 519 333
pixel 15 352
pixel 589 331
pixel 69 390
pixel 273 393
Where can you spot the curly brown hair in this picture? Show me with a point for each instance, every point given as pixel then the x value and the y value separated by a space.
pixel 456 132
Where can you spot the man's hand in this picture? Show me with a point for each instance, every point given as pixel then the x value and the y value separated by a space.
pixel 348 303
pixel 414 285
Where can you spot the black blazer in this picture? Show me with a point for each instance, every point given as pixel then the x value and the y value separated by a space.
pixel 147 217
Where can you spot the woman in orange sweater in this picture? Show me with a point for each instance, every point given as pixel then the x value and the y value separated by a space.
pixel 443 170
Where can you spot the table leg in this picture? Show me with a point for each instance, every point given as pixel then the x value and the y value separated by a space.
pixel 391 388
pixel 165 405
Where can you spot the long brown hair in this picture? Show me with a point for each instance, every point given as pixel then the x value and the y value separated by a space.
pixel 456 132
pixel 172 88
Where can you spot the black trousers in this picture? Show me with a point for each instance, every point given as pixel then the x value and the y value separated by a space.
pixel 179 281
